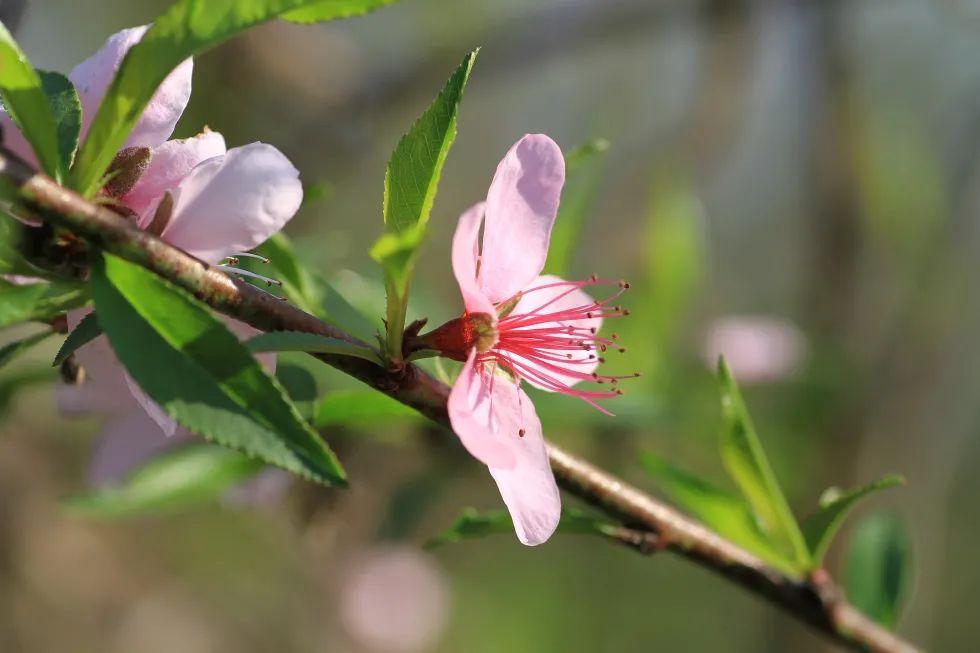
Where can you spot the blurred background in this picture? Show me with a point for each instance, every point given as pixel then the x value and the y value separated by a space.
pixel 793 184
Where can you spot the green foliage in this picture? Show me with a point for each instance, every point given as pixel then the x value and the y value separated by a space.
pixel 11 236
pixel 878 568
pixel 187 28
pixel 748 465
pixel 411 181
pixel 308 342
pixel 199 373
pixel 187 476
pixel 725 512
pixel 67 111
pixel 28 105
pixel 13 349
pixel 323 10
pixel 360 408
pixel 473 524
pixel 86 331
pixel 38 302
pixel 583 166
pixel 835 504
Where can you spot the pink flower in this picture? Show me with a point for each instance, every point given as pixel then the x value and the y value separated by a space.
pixel 518 326
pixel 195 194
pixel 758 349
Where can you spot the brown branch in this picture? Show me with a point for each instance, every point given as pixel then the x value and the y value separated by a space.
pixel 648 524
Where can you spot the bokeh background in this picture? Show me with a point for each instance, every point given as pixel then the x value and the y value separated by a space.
pixel 794 184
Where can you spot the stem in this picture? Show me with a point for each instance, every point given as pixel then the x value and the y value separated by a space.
pixel 650 524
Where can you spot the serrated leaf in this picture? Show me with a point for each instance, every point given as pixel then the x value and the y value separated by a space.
pixel 724 512
pixel 584 167
pixel 473 524
pixel 411 182
pixel 819 529
pixel 27 104
pixel 13 349
pixel 187 28
pixel 878 568
pixel 85 332
pixel 187 361
pixel 308 342
pixel 361 408
pixel 187 476
pixel 38 302
pixel 323 10
pixel 67 111
pixel 749 467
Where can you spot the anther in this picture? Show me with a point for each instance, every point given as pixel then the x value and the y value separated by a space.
pixel 521 433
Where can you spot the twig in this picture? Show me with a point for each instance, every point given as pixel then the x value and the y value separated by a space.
pixel 648 524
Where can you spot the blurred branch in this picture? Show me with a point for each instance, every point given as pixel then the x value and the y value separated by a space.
pixel 649 524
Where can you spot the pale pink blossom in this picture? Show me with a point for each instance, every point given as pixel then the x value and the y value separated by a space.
pixel 758 349
pixel 520 325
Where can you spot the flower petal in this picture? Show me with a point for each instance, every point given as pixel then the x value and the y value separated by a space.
pixel 126 443
pixel 171 162
pixel 465 254
pixel 475 420
pixel 234 202
pixel 93 76
pixel 528 489
pixel 558 297
pixel 521 207
pixel 15 141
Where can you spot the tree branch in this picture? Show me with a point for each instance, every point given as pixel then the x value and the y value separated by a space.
pixel 649 525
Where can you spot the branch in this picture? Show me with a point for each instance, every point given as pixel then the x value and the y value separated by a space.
pixel 649 525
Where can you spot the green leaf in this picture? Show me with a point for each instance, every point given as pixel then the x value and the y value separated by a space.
pixel 38 302
pixel 411 181
pixel 725 512
pixel 308 342
pixel 13 349
pixel 360 407
pixel 323 10
pixel 86 331
pixel 186 29
pixel 200 374
pixel 878 568
pixel 820 528
pixel 473 524
pixel 67 111
pixel 748 465
pixel 584 166
pixel 189 475
pixel 26 102
pixel 11 245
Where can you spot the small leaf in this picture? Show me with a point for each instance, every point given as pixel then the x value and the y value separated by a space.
pixel 86 331
pixel 748 465
pixel 308 342
pixel 878 568
pixel 473 524
pixel 187 476
pixel 360 407
pixel 200 374
pixel 584 166
pixel 187 28
pixel 411 182
pixel 323 10
pixel 28 106
pixel 67 111
pixel 726 513
pixel 820 528
pixel 38 302
pixel 13 349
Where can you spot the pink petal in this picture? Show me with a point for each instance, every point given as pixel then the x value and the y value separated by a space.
pixel 528 489
pixel 93 76
pixel 553 300
pixel 234 202
pixel 171 162
pixel 475 420
pixel 14 141
pixel 521 209
pixel 126 443
pixel 465 254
